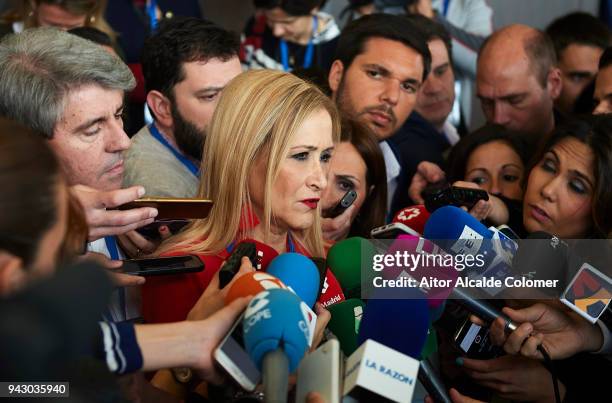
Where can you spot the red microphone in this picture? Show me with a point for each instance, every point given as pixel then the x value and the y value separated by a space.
pixel 414 217
pixel 265 254
pixel 331 292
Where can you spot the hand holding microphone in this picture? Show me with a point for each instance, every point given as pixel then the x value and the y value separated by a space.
pixel 561 332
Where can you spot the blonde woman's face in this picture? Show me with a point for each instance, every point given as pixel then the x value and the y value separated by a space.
pixel 51 15
pixel 301 178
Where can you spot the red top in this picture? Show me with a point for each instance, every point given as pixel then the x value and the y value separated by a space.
pixel 170 298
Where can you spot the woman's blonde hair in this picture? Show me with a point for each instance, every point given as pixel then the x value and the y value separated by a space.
pixel 93 10
pixel 258 114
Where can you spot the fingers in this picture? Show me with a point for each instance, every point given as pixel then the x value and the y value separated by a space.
pixel 323 318
pixel 335 228
pixel 417 185
pixel 115 198
pixel 530 348
pixel 102 260
pixel 97 232
pixel 245 267
pixel 457 397
pixel 314 397
pixel 164 232
pixel 481 210
pixel 222 320
pixel 135 245
pixel 427 172
pixel 498 331
pixel 476 320
pixel 530 314
pixel 464 184
pixel 126 280
pixel 515 340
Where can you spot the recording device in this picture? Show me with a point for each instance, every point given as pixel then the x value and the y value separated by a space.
pixel 161 266
pixel 276 336
pixel 345 260
pixel 392 231
pixel 414 217
pixel 232 264
pixel 320 371
pixel 322 268
pixel 474 341
pixel 173 208
pixel 442 194
pixel 151 231
pixel 344 203
pixel 298 273
pixel 589 293
pixel 235 361
pixel 432 383
pixel 344 323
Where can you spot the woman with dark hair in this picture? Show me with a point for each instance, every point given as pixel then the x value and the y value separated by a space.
pixel 357 164
pixel 493 158
pixel 289 34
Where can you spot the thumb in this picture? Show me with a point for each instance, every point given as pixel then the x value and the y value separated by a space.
pixel 222 320
pixel 529 314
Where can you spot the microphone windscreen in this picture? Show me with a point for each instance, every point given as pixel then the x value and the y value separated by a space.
pixel 252 284
pixel 276 319
pixel 344 323
pixel 345 259
pixel 452 223
pixel 413 217
pixel 397 318
pixel 265 254
pixel 299 273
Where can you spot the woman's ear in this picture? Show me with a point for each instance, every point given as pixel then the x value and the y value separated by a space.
pixel 12 275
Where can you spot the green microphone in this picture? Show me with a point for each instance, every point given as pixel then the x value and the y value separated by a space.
pixel 344 323
pixel 351 262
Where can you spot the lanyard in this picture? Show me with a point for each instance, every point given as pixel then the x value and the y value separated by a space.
pixel 284 48
pixel 151 9
pixel 290 245
pixel 184 160
pixel 445 8
pixel 113 251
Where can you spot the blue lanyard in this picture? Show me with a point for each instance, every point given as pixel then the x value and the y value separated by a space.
pixel 152 13
pixel 290 245
pixel 113 251
pixel 184 160
pixel 284 48
pixel 445 7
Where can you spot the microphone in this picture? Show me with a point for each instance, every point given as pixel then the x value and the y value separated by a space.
pixel 397 318
pixel 276 337
pixel 252 284
pixel 344 323
pixel 298 273
pixel 413 217
pixel 345 258
pixel 432 382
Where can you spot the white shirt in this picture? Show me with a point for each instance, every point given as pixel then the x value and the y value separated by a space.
pixel 393 171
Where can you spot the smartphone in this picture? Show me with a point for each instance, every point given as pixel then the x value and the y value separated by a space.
pixel 474 341
pixel 151 231
pixel 232 263
pixel 392 231
pixel 320 371
pixel 441 194
pixel 589 293
pixel 234 359
pixel 173 208
pixel 344 203
pixel 321 264
pixel 160 266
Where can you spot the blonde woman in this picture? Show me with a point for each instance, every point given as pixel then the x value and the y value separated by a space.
pixel 264 166
pixel 63 14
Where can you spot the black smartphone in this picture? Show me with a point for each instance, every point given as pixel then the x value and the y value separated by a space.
pixel 442 194
pixel 173 208
pixel 344 203
pixel 321 264
pixel 160 266
pixel 474 341
pixel 151 231
pixel 232 264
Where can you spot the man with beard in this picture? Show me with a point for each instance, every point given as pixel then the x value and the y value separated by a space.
pixel 186 65
pixel 381 61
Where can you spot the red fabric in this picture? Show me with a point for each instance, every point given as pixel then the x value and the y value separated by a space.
pixel 170 298
pixel 138 94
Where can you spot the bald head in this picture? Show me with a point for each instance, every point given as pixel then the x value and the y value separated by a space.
pixel 517 80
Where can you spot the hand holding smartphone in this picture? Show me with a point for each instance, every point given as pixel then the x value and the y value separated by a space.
pixel 345 202
pixel 160 266
pixel 173 208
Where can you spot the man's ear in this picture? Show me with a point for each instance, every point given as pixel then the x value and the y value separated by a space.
pixel 160 107
pixel 12 276
pixel 554 83
pixel 335 75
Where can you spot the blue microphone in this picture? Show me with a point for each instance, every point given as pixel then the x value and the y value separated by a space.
pixel 397 318
pixel 276 334
pixel 299 273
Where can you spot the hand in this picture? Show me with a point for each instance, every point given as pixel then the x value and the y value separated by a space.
pixel 213 297
pixel 422 7
pixel 513 377
pixel 211 332
pixel 561 332
pixel 335 229
pixel 120 279
pixel 135 245
pixel 427 172
pixel 314 397
pixel 102 222
pixel 455 397
pixel 323 318
pixel 493 209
